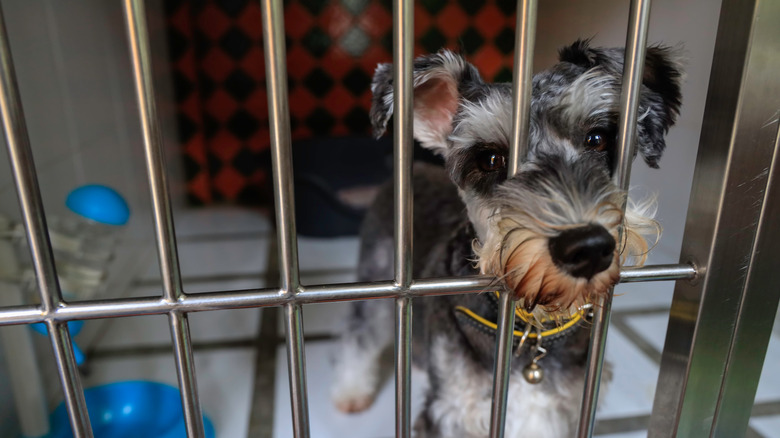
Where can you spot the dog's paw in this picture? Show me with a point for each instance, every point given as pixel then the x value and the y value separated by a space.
pixel 354 402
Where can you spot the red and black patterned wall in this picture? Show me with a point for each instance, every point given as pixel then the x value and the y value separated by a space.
pixel 333 48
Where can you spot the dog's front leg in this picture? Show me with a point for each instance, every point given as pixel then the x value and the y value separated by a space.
pixel 359 368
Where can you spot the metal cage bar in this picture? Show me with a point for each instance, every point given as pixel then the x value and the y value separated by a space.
pixel 281 158
pixel 240 299
pixel 719 325
pixel 165 234
pixel 525 35
pixel 633 68
pixel 23 167
pixel 403 47
pixel 291 295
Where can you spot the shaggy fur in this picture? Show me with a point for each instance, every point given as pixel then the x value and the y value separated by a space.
pixel 549 234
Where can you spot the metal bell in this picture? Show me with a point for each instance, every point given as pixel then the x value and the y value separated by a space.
pixel 533 373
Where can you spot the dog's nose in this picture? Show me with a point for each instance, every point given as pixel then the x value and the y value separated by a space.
pixel 584 251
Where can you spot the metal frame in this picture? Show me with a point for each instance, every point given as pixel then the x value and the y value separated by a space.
pixel 291 295
pixel 719 326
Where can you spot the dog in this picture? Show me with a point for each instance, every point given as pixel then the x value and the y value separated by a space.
pixel 549 235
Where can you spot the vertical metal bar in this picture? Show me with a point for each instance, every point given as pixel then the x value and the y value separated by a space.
pixel 185 367
pixel 281 150
pixel 633 69
pixel 713 348
pixel 281 156
pixel 756 314
pixel 33 215
pixel 403 43
pixel 140 53
pixel 403 367
pixel 525 35
pixel 296 364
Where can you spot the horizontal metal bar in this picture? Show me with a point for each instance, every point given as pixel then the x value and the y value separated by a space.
pixel 682 271
pixel 238 299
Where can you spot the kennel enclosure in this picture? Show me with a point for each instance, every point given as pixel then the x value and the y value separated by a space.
pixel 727 288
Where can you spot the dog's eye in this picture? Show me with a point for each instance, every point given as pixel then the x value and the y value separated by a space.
pixel 597 140
pixel 491 161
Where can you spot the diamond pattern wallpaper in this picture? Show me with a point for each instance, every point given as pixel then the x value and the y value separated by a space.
pixel 333 48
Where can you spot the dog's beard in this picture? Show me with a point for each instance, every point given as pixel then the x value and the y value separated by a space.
pixel 516 251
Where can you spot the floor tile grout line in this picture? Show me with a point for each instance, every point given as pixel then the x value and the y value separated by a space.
pixel 261 408
pixel 620 322
pixel 262 405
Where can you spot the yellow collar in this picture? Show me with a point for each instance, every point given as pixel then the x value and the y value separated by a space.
pixel 528 318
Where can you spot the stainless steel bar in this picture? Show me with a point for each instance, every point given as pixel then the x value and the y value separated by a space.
pixel 293 324
pixel 140 53
pixel 633 69
pixel 281 149
pixel 403 367
pixel 185 365
pixel 34 218
pixel 238 299
pixel 23 168
pixel 683 271
pixel 403 47
pixel 757 311
pixel 525 35
pixel 68 372
pixel 503 365
pixel 281 157
pixel 738 143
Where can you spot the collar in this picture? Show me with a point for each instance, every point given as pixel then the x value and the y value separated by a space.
pixel 547 329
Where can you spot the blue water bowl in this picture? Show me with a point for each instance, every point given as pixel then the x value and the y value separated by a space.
pixel 99 203
pixel 134 409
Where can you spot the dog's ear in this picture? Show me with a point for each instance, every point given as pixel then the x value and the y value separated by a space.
pixel 437 82
pixel 660 100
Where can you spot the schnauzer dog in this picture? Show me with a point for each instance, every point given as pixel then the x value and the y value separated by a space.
pixel 549 234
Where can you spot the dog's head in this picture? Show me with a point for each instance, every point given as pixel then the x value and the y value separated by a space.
pixel 550 231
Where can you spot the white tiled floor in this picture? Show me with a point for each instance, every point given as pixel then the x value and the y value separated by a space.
pixel 326 420
pixel 218 244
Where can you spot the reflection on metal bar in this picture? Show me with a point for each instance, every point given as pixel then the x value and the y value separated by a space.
pixel 683 271
pixel 239 299
pixel 757 311
pixel 29 194
pixel 281 158
pixel 525 34
pixel 403 46
pixel 68 372
pixel 281 149
pixel 140 54
pixel 403 367
pixel 633 68
pixel 709 370
pixel 293 329
pixel 185 365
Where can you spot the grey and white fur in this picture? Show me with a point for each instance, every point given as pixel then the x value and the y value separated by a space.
pixel 549 233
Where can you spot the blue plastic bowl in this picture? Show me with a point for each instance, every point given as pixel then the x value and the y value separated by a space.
pixel 99 203
pixel 134 409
